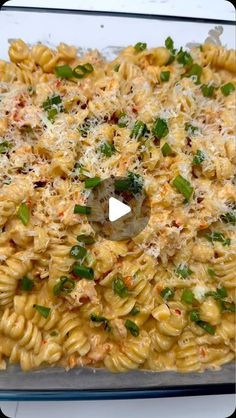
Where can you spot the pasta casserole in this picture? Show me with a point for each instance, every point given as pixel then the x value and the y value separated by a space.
pixel 164 120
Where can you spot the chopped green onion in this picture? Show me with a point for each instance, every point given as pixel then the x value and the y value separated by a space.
pixel 123 120
pixel 227 89
pixel 52 114
pixel 183 270
pixel 190 128
pixel 139 129
pixel 160 128
pixel 92 182
pixel 83 271
pixel 135 311
pixel 107 149
pixel 207 90
pixel 183 186
pixel 133 183
pixel 194 315
pixel 167 293
pixel 26 284
pixel 199 157
pixel 23 213
pixel 4 147
pixel 64 71
pixel 169 43
pixel 132 327
pixel 83 210
pixel 229 218
pixel 166 150
pixel 187 296
pixel 97 318
pixel 78 252
pixel 116 68
pixel 219 237
pixel 53 105
pixel 220 293
pixel 65 285
pixel 54 334
pixel 86 239
pixel 211 272
pixel 82 70
pixel 196 71
pixel 43 310
pixel 140 46
pixel 184 58
pixel 165 75
pixel 207 327
pixel 54 100
pixel 119 287
pixel 227 306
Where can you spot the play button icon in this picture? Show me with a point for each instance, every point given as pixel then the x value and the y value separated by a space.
pixel 120 208
pixel 117 209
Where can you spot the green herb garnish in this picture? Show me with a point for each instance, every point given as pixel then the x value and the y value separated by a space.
pixel 229 218
pixel 183 270
pixel 107 149
pixel 119 287
pixel 207 90
pixel 135 311
pixel 26 284
pixel 190 128
pixel 227 89
pixel 139 129
pixel 23 213
pixel 78 252
pixel 183 186
pixel 187 296
pixel 123 120
pixel 199 157
pixel 64 71
pixel 65 285
pixel 82 70
pixel 219 237
pixel 43 310
pixel 166 150
pixel 83 271
pixel 165 76
pixel 184 58
pixel 140 46
pixel 133 183
pixel 4 147
pixel 92 182
pixel 160 128
pixel 86 239
pixel 132 327
pixel 83 210
pixel 196 71
pixel 167 293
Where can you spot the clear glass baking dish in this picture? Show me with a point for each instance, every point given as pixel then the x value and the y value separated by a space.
pixel 107 31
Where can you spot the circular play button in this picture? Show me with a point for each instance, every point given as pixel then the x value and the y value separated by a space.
pixel 119 207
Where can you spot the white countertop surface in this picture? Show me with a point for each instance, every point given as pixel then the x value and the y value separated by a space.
pixel 220 406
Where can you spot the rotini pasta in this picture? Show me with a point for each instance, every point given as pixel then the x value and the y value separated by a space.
pixel 162 118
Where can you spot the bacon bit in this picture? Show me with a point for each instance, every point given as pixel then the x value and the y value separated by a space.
pixel 134 110
pixel 178 311
pixel 128 281
pixel 176 223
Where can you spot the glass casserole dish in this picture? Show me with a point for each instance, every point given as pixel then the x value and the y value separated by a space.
pixel 118 30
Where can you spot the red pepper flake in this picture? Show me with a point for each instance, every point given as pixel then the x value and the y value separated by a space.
pixel 61 214
pixel 202 352
pixel 58 83
pixel 178 311
pixel 44 341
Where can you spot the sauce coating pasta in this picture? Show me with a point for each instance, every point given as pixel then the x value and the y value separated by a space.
pixel 165 119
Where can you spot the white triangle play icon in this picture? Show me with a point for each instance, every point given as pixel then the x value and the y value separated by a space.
pixel 117 209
